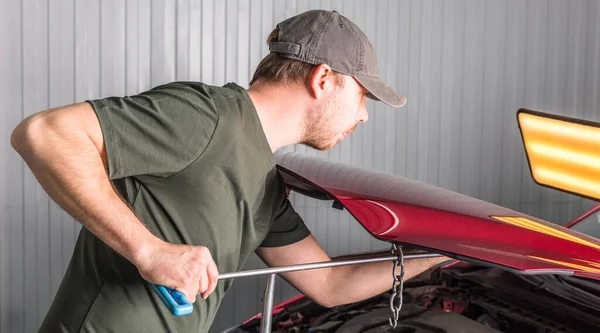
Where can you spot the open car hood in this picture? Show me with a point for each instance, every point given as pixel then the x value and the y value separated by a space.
pixel 404 211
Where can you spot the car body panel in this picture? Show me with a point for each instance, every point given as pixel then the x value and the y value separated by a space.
pixel 397 209
pixel 277 308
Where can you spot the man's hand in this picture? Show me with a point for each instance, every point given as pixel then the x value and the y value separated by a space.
pixel 187 269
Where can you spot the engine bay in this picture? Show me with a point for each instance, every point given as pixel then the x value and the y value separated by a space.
pixel 454 300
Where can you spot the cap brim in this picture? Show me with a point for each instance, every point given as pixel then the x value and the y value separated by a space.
pixel 380 91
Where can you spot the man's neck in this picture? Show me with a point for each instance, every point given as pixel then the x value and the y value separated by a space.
pixel 281 112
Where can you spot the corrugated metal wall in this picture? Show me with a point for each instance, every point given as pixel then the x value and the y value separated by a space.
pixel 465 66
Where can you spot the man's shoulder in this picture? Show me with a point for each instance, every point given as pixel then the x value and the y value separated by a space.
pixel 207 99
pixel 229 90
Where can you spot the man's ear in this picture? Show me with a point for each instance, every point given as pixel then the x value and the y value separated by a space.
pixel 319 81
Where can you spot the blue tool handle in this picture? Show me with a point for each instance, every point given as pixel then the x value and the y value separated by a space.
pixel 173 299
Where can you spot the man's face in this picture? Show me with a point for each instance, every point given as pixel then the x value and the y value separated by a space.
pixel 331 120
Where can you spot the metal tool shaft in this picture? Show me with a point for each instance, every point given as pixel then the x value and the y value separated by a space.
pixel 317 265
pixel 267 314
pixel 179 306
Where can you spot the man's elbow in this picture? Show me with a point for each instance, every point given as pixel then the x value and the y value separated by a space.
pixel 322 301
pixel 328 300
pixel 28 134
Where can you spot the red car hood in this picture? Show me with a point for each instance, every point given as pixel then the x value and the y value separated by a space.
pixel 397 209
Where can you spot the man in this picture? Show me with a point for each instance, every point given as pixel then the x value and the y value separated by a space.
pixel 178 183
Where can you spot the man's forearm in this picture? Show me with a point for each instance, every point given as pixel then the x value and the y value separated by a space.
pixel 347 284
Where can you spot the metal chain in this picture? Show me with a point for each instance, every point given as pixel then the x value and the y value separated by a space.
pixel 397 286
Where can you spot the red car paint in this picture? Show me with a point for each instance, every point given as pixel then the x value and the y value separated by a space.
pixel 401 210
pixel 277 308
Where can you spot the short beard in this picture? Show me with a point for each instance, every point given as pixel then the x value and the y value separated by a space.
pixel 317 132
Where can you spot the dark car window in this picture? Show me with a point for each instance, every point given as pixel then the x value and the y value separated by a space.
pixel 589 225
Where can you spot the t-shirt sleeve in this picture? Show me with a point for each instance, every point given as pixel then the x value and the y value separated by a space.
pixel 287 228
pixel 158 132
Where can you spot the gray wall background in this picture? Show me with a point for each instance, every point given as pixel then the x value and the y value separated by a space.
pixel 465 66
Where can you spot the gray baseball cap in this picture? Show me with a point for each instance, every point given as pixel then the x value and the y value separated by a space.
pixel 326 37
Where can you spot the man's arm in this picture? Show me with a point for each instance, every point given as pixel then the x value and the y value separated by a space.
pixel 337 285
pixel 64 147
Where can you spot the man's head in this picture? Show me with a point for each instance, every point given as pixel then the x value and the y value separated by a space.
pixel 333 61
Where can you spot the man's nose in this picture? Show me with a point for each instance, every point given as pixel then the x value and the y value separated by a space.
pixel 363 113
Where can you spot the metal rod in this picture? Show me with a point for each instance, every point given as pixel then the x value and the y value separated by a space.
pixel 267 314
pixel 325 264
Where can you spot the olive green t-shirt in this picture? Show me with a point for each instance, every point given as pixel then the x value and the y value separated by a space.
pixel 195 166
